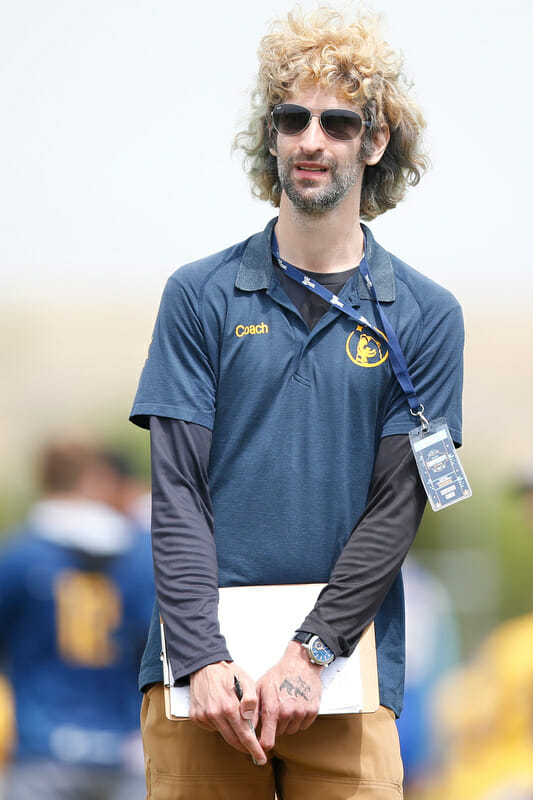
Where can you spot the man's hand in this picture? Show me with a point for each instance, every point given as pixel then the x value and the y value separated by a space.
pixel 215 706
pixel 289 695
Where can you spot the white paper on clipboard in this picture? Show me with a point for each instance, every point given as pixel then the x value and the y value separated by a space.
pixel 251 616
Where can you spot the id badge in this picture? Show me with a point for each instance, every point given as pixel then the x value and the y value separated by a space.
pixel 441 471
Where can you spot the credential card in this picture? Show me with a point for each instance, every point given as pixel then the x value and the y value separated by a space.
pixel 439 466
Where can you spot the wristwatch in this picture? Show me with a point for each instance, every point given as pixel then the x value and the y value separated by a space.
pixel 318 652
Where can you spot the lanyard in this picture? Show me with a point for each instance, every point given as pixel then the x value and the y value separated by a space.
pixel 397 358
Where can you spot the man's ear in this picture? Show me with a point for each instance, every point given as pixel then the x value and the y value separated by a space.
pixel 272 141
pixel 380 140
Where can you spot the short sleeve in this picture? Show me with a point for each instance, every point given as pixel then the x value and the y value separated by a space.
pixel 435 361
pixel 177 380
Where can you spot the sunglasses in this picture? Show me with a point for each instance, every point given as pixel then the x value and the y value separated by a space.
pixel 338 123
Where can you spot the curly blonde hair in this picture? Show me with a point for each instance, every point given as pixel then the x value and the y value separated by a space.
pixel 324 47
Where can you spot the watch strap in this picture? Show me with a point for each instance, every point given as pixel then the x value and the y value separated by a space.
pixel 302 636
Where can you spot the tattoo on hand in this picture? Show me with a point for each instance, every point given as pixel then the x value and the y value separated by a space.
pixel 298 689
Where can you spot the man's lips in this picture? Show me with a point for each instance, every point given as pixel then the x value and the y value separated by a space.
pixel 310 169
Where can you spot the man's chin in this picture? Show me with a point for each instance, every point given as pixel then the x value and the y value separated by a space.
pixel 313 206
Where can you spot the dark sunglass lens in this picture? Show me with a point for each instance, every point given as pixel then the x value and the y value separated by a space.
pixel 343 125
pixel 290 119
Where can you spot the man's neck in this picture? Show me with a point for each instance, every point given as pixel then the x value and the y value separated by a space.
pixel 331 242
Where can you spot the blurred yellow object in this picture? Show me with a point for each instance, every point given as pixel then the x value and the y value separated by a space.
pixel 485 714
pixel 7 721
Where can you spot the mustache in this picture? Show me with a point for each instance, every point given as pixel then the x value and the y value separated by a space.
pixel 329 163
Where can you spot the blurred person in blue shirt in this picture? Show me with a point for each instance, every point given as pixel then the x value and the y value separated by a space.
pixel 76 594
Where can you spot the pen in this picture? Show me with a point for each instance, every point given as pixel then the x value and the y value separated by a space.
pixel 238 692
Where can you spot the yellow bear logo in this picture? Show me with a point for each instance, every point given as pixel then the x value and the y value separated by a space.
pixel 370 352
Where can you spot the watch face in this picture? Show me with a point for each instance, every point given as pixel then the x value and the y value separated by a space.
pixel 318 651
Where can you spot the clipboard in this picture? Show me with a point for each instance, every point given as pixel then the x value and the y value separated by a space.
pixel 252 615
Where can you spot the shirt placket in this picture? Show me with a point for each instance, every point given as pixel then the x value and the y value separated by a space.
pixel 302 358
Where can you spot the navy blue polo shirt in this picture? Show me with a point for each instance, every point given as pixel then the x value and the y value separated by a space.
pixel 297 415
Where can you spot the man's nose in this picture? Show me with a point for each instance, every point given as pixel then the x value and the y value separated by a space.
pixel 312 138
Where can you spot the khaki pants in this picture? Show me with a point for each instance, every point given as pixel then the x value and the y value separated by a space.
pixel 338 758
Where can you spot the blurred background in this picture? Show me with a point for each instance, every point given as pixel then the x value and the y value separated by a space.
pixel 116 168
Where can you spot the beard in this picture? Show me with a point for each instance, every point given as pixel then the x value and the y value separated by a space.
pixel 312 200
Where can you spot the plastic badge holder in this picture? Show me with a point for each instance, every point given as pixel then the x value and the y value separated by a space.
pixel 439 466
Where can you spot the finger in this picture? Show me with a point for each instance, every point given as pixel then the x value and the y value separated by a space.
pixel 298 722
pixel 237 732
pixel 308 720
pixel 253 746
pixel 241 736
pixel 295 716
pixel 198 716
pixel 228 733
pixel 249 700
pixel 288 719
pixel 205 725
pixel 269 727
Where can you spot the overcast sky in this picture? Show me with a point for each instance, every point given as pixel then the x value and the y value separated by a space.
pixel 118 117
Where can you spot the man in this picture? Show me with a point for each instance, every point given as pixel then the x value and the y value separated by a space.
pixel 76 592
pixel 279 432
